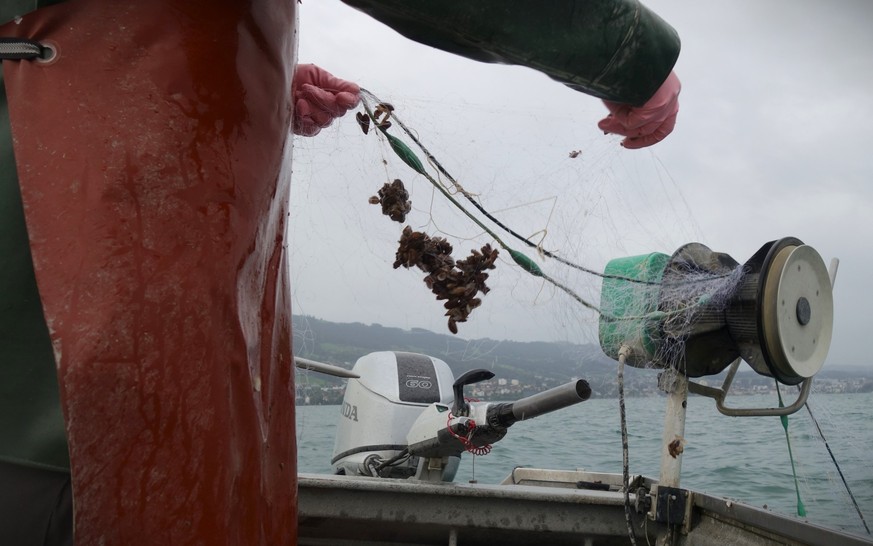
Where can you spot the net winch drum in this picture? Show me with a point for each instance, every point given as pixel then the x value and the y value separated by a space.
pixel 381 405
pixel 699 310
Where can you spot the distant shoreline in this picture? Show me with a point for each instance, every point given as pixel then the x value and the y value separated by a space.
pixel 338 401
pixel 520 368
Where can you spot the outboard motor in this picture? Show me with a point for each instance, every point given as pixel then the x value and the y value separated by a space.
pixel 380 406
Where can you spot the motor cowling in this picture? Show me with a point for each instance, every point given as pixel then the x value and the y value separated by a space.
pixel 380 406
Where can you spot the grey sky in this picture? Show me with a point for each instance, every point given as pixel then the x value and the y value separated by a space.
pixel 772 140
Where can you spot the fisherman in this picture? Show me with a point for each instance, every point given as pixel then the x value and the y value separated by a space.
pixel 145 340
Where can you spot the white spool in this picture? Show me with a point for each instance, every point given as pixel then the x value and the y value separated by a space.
pixel 797 311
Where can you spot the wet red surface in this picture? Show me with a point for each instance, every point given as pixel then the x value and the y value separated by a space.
pixel 150 155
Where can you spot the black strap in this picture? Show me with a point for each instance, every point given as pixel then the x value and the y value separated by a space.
pixel 20 48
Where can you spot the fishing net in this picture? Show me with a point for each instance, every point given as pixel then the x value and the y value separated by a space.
pixel 418 224
pixel 537 223
pixel 563 204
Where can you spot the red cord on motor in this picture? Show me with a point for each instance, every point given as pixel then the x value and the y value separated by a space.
pixel 466 440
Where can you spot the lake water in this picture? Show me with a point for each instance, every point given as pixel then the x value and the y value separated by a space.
pixel 742 458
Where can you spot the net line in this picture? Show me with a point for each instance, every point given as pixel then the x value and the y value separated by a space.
pixel 683 297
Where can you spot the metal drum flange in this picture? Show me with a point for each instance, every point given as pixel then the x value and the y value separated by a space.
pixel 797 313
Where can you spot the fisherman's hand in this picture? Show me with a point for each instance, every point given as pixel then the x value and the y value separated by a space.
pixel 319 98
pixel 647 124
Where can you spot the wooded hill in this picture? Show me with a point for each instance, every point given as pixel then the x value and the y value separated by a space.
pixel 538 364
pixel 535 365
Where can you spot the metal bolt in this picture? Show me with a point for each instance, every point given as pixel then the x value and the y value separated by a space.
pixel 804 312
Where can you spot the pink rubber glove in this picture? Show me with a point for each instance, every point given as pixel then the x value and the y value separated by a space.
pixel 647 124
pixel 319 98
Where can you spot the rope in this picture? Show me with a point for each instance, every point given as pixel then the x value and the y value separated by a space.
pixel 834 459
pixel 625 466
pixel 435 162
pixel 415 164
pixel 380 115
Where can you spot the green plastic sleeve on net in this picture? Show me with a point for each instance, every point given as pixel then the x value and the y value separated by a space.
pixel 801 509
pixel 526 263
pixel 403 151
